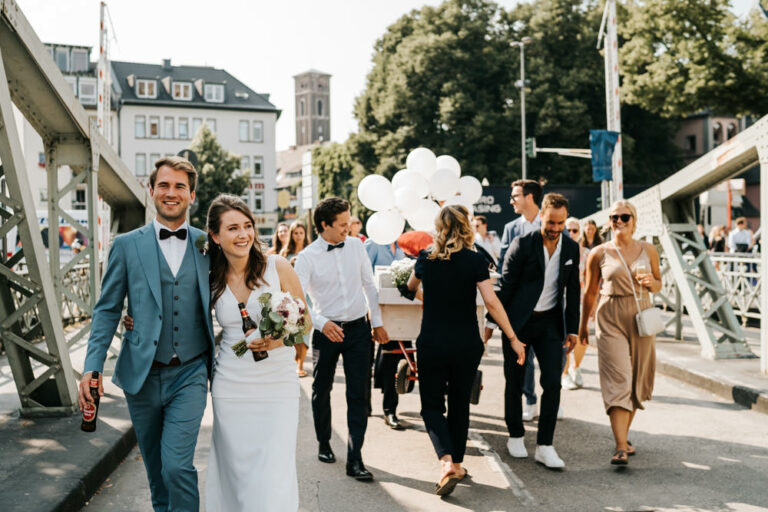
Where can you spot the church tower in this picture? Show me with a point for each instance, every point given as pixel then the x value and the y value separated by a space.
pixel 313 107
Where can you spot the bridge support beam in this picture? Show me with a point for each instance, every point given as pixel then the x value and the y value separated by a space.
pixel 762 155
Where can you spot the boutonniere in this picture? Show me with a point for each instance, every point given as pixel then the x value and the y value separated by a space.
pixel 202 244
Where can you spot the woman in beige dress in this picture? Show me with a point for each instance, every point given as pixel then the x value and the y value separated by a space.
pixel 626 361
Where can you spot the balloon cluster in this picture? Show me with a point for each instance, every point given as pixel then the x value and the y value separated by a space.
pixel 414 193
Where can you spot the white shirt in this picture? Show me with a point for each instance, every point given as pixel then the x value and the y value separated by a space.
pixel 173 249
pixel 492 244
pixel 739 236
pixel 339 282
pixel 548 297
pixel 533 225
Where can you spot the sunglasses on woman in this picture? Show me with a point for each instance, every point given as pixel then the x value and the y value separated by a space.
pixel 573 230
pixel 624 217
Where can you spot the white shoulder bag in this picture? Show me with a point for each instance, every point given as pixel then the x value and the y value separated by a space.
pixel 649 321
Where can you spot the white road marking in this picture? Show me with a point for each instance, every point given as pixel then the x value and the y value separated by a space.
pixel 494 461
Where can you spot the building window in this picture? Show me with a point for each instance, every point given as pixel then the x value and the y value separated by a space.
pixel 211 124
pixel 154 127
pixel 258 167
pixel 153 157
pixel 168 127
pixel 72 81
pixel 246 197
pixel 301 108
pixel 258 131
pixel 183 128
pixel 140 127
pixel 146 89
pixel 182 91
pixel 258 201
pixel 690 143
pixel 62 59
pixel 214 93
pixel 79 60
pixel 320 108
pixel 78 202
pixel 245 163
pixel 243 131
pixel 87 91
pixel 141 164
pixel 731 130
pixel 196 124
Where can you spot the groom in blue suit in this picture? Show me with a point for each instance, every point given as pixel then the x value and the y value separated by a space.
pixel 165 362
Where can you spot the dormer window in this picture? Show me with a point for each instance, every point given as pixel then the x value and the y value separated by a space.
pixel 182 91
pixel 87 91
pixel 79 60
pixel 146 89
pixel 214 93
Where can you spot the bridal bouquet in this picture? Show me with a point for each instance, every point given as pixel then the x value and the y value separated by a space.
pixel 401 272
pixel 282 317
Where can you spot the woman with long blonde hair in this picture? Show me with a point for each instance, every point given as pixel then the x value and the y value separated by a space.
pixel 449 346
pixel 298 240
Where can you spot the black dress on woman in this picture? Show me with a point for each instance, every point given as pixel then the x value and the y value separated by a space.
pixel 449 346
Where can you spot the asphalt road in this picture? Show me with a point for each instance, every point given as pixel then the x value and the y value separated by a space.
pixel 696 453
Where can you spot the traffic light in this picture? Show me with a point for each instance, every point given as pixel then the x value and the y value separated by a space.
pixel 530 147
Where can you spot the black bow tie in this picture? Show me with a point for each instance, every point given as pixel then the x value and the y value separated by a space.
pixel 337 246
pixel 181 234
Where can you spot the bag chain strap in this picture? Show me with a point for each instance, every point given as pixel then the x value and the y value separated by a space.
pixel 631 283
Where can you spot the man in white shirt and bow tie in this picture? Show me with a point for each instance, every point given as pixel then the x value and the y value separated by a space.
pixel 336 273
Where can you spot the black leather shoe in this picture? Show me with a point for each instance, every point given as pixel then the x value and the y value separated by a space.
pixel 325 454
pixel 356 470
pixel 393 423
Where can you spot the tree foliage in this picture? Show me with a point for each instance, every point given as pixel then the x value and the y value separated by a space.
pixel 218 172
pixel 679 57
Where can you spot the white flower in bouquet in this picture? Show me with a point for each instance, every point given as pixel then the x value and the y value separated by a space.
pixel 282 317
pixel 401 271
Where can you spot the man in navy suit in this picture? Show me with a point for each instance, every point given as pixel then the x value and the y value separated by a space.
pixel 539 289
pixel 525 199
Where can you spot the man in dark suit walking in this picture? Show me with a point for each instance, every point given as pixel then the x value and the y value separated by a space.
pixel 540 292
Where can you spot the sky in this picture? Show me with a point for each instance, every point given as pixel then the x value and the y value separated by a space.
pixel 263 43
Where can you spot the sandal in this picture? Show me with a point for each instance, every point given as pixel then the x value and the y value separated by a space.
pixel 302 373
pixel 447 484
pixel 464 474
pixel 631 451
pixel 620 458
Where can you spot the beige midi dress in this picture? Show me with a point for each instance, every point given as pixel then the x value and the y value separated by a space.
pixel 626 361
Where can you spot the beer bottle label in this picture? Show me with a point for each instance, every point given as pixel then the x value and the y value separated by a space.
pixel 94 383
pixel 89 411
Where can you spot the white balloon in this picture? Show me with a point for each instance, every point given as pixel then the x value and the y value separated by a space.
pixel 461 200
pixel 443 184
pixel 410 179
pixel 384 227
pixel 375 192
pixel 470 187
pixel 448 162
pixel 423 161
pixel 423 216
pixel 406 200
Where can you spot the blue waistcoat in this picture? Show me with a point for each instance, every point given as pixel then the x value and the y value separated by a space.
pixel 183 325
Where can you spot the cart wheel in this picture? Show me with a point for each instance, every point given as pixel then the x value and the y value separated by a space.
pixel 474 399
pixel 403 384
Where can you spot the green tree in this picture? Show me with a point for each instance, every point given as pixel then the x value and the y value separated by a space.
pixel 679 57
pixel 218 173
pixel 338 174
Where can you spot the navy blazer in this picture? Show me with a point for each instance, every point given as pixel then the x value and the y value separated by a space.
pixel 522 281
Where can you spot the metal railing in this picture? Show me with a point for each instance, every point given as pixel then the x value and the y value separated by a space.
pixel 740 275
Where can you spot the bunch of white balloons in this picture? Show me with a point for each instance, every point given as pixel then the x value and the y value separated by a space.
pixel 413 192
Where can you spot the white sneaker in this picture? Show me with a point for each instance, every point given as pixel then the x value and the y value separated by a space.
pixel 516 447
pixel 560 413
pixel 548 456
pixel 567 382
pixel 575 374
pixel 529 411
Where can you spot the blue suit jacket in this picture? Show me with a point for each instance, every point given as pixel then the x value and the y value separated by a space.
pixel 512 230
pixel 133 270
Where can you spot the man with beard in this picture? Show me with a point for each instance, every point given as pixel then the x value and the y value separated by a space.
pixel 539 289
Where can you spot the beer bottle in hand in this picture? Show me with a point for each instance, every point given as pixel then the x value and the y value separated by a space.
pixel 249 324
pixel 91 409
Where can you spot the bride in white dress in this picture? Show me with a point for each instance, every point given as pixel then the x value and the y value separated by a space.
pixel 252 461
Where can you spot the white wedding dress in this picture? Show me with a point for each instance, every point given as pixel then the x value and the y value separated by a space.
pixel 252 461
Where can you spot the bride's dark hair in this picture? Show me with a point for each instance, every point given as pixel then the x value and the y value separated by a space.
pixel 257 261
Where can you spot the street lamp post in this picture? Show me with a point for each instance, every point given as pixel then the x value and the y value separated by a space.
pixel 521 83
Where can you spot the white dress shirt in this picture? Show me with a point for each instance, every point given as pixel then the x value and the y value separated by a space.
pixel 491 244
pixel 533 225
pixel 548 297
pixel 739 236
pixel 339 282
pixel 172 248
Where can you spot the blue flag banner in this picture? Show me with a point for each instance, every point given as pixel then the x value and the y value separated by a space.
pixel 602 142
